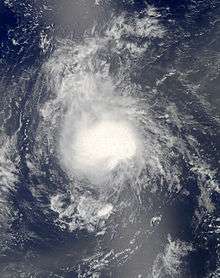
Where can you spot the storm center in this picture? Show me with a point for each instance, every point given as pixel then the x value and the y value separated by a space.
pixel 103 146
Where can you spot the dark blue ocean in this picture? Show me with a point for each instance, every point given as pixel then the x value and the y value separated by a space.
pixel 154 64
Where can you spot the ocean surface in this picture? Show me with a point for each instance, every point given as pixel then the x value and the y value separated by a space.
pixel 109 139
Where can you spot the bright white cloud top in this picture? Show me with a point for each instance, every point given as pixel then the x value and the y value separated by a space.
pixel 100 148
